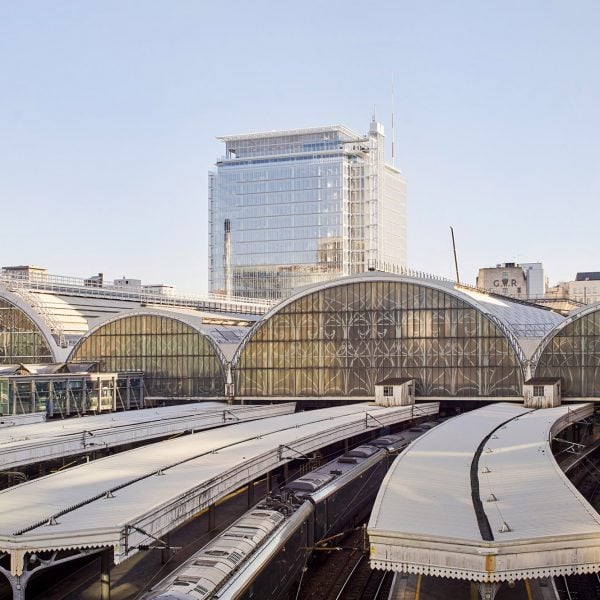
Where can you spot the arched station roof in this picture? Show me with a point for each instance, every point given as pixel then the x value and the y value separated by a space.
pixel 571 351
pixel 371 314
pixel 27 337
pixel 176 351
pixel 71 315
pixel 518 320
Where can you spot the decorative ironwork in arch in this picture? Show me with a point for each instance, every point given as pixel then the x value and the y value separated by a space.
pixel 341 339
pixel 572 352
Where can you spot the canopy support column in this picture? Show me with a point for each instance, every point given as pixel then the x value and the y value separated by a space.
pixel 250 494
pixel 25 563
pixel 106 561
pixel 165 551
pixel 487 590
pixel 212 517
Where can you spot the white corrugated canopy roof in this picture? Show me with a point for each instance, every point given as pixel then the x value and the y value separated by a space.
pixel 426 519
pixel 198 469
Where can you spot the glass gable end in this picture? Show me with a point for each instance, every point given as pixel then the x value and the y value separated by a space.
pixel 341 340
pixel 176 359
pixel 21 340
pixel 573 354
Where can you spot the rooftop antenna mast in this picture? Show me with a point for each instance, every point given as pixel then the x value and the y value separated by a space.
pixel 454 251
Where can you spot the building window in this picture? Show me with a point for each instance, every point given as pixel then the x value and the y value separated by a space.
pixel 388 390
pixel 538 390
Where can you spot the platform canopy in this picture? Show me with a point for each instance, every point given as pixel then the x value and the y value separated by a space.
pixel 51 440
pixel 481 497
pixel 132 498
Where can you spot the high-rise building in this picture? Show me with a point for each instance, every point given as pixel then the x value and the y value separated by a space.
pixel 297 207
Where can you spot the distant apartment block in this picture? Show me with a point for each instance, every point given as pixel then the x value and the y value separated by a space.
pixel 298 207
pixel 585 289
pixel 524 281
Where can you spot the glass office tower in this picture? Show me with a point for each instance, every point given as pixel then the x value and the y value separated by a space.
pixel 298 207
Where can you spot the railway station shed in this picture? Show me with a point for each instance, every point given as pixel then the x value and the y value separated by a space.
pixel 336 340
pixel 494 506
pixel 571 351
pixel 121 503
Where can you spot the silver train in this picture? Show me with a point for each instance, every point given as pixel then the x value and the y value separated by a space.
pixel 263 554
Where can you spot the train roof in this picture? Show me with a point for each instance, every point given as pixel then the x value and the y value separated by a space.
pixel 321 477
pixel 210 568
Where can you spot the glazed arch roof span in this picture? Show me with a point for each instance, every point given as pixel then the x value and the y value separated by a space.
pixel 223 338
pixel 37 320
pixel 519 320
pixel 577 314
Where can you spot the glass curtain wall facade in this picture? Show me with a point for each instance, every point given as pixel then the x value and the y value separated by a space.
pixel 175 358
pixel 341 340
pixel 21 340
pixel 295 208
pixel 573 354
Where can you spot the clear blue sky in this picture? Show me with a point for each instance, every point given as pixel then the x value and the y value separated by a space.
pixel 109 112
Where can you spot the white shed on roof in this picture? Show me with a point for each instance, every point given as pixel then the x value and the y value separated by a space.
pixel 395 391
pixel 542 392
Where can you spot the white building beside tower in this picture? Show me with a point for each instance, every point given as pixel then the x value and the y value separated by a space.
pixel 298 207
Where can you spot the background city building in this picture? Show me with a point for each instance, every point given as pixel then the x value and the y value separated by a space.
pixel 585 289
pixel 298 207
pixel 524 281
pixel 527 281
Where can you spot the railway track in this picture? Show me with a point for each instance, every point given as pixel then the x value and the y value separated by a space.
pixel 584 587
pixel 579 587
pixel 345 574
pixel 363 583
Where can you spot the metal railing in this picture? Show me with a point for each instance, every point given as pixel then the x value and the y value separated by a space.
pixel 389 267
pixel 76 286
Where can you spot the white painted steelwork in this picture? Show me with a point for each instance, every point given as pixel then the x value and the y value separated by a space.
pixel 516 319
pixel 132 498
pixel 40 442
pixel 75 286
pixel 427 518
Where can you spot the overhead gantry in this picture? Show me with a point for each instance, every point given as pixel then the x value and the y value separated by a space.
pixel 482 498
